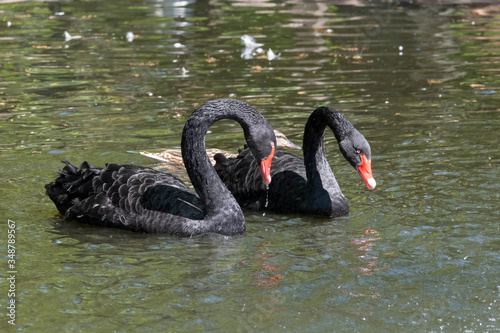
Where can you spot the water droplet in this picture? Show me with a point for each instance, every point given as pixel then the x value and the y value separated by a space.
pixel 267 197
pixel 266 204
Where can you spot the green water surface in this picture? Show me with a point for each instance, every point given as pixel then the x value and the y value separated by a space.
pixel 420 253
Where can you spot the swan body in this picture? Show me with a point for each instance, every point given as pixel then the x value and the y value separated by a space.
pixel 307 185
pixel 146 200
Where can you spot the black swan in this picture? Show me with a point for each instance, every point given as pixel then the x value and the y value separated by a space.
pixel 307 185
pixel 146 200
pixel 172 157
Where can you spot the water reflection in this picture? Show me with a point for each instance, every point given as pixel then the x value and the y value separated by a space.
pixel 366 247
pixel 174 8
pixel 250 46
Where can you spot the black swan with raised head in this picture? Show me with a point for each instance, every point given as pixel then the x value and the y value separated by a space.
pixel 146 200
pixel 307 185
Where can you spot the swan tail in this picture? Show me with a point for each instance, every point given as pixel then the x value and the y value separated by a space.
pixel 73 185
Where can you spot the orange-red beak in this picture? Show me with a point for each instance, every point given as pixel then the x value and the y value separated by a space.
pixel 265 167
pixel 365 171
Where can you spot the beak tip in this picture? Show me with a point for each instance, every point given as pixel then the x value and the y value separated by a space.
pixel 371 183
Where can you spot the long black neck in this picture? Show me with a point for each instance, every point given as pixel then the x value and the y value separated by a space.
pixel 212 191
pixel 318 171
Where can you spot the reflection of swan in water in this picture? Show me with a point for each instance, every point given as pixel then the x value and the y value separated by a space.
pixel 146 200
pixel 173 158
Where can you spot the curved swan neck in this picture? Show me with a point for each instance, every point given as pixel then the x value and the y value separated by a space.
pixel 203 176
pixel 314 137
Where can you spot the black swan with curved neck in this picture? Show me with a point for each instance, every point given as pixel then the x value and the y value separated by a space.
pixel 307 185
pixel 142 199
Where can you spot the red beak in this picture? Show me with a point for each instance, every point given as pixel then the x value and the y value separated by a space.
pixel 265 167
pixel 365 171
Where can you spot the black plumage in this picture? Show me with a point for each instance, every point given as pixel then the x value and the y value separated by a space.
pixel 307 185
pixel 146 200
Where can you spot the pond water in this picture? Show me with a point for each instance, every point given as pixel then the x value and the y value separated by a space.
pixel 421 81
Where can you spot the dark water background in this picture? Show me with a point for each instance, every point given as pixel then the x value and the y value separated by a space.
pixel 421 81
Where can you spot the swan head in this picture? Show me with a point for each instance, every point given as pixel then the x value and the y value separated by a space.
pixel 357 152
pixel 262 144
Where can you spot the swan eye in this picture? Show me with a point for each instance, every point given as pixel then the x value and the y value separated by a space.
pixel 358 151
